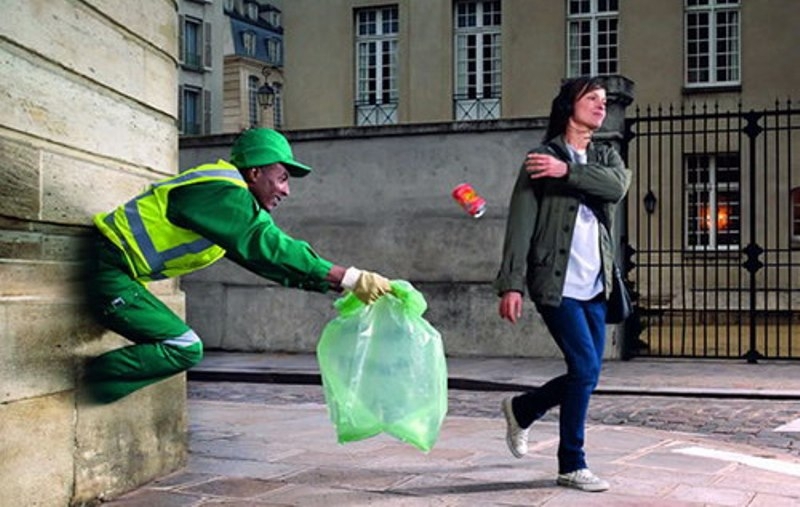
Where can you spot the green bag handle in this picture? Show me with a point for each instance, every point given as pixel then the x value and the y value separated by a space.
pixel 411 300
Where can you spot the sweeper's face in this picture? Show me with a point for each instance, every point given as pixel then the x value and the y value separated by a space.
pixel 269 184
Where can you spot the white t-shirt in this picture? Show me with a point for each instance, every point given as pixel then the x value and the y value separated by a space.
pixel 583 279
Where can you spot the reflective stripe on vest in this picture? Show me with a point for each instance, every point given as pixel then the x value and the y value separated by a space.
pixel 157 260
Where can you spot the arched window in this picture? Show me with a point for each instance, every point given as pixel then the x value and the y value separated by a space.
pixel 252 99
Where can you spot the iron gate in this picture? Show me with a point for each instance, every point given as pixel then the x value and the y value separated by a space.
pixel 713 232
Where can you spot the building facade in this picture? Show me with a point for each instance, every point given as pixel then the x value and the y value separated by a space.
pixel 201 30
pixel 367 62
pixel 230 50
pixel 711 229
pixel 710 178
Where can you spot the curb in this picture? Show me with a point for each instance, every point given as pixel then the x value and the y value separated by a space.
pixel 465 384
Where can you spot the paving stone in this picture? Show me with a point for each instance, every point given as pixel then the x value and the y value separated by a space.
pixel 237 487
pixel 261 445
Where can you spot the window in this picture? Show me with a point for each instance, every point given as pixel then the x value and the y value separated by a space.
pixel 253 83
pixel 249 40
pixel 277 106
pixel 592 37
pixel 252 10
pixel 272 16
pixel 376 66
pixel 195 43
pixel 713 201
pixel 274 51
pixel 477 55
pixel 191 107
pixel 712 42
pixel 796 216
pixel 192 42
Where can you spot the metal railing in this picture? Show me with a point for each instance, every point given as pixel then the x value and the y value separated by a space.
pixel 711 249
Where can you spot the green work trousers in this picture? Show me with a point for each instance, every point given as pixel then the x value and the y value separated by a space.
pixel 163 344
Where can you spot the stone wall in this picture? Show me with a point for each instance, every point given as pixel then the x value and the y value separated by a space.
pixel 89 105
pixel 381 202
pixel 379 199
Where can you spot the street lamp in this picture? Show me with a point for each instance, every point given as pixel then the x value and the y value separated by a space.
pixel 650 202
pixel 266 93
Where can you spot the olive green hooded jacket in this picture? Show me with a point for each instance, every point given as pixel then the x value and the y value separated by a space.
pixel 541 220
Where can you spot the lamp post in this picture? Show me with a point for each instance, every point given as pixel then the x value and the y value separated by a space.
pixel 266 98
pixel 266 95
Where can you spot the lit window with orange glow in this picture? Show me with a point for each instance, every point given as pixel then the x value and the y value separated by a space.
pixel 713 201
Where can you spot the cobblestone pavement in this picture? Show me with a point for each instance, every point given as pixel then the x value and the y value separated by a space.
pixel 743 421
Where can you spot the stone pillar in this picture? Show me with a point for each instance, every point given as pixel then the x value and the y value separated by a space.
pixel 89 110
pixel 619 92
pixel 619 95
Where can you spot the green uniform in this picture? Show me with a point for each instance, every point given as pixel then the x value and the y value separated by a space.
pixel 177 226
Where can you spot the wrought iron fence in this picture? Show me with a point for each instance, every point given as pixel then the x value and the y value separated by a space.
pixel 712 249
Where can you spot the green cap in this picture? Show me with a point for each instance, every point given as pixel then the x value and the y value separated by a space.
pixel 260 146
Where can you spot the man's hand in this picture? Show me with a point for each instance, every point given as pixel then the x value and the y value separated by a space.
pixel 366 285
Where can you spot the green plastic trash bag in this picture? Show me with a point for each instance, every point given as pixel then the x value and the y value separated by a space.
pixel 383 369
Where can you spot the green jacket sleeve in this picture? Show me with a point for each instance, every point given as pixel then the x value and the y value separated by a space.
pixel 229 216
pixel 522 214
pixel 604 177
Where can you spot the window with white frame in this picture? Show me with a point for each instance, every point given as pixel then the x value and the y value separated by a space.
pixel 277 106
pixel 376 65
pixel 252 10
pixel 249 40
pixel 592 37
pixel 477 59
pixel 713 201
pixel 274 50
pixel 712 43
pixel 273 17
pixel 253 84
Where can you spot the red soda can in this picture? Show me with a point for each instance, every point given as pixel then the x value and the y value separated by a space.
pixel 466 196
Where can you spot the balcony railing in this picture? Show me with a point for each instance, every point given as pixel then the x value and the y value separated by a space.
pixel 476 108
pixel 376 114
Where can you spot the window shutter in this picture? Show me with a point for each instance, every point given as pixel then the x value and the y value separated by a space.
pixel 181 35
pixel 206 111
pixel 207 45
pixel 179 120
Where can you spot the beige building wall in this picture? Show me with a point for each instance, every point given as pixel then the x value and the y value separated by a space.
pixel 320 69
pixel 652 53
pixel 238 71
pixel 320 72
pixel 89 110
pixel 534 56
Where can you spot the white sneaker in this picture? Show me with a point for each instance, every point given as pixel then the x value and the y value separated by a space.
pixel 583 480
pixel 516 437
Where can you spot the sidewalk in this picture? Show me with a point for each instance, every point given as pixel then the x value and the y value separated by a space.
pixel 247 454
pixel 673 377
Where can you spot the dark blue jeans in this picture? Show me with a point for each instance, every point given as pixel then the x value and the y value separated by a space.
pixel 579 330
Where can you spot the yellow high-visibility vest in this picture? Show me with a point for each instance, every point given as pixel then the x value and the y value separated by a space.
pixel 154 247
